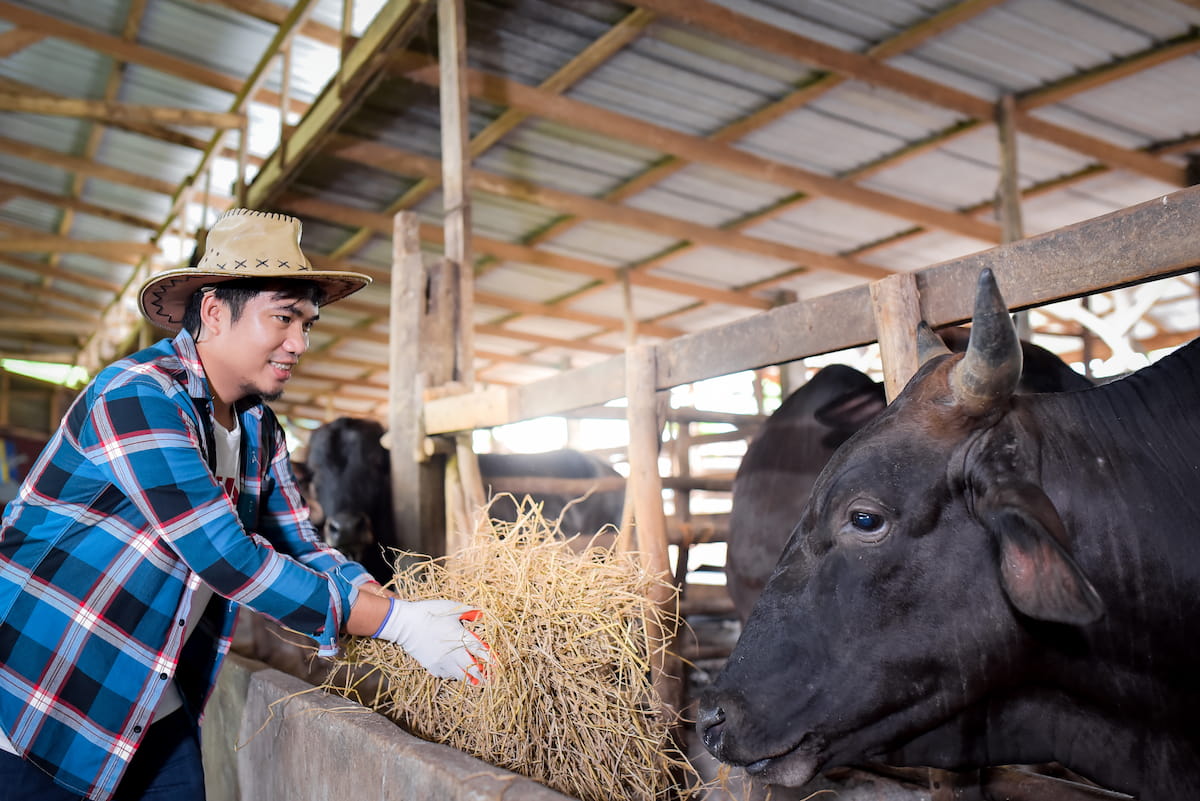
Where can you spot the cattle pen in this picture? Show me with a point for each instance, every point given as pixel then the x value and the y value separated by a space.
pixel 569 204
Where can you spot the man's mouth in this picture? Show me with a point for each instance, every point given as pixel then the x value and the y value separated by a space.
pixel 283 367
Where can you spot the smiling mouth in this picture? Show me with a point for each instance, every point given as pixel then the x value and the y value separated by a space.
pixel 283 367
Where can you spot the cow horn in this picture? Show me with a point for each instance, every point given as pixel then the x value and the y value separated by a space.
pixel 991 368
pixel 929 344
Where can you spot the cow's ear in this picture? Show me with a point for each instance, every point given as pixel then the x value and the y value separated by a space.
pixel 852 410
pixel 1039 577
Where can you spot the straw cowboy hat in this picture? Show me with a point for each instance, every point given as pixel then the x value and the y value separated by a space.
pixel 242 244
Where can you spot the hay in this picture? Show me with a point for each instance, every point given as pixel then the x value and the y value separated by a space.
pixel 569 700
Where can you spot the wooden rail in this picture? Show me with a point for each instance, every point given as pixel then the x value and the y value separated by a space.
pixel 1152 240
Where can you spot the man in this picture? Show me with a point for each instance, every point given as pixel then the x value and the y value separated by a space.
pixel 164 499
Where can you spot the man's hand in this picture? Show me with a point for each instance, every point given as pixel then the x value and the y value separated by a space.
pixel 432 632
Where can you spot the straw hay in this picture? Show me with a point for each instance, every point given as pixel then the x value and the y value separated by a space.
pixel 569 700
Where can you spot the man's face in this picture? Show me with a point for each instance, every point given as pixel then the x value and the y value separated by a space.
pixel 256 354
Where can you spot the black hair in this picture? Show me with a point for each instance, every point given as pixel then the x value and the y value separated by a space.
pixel 236 294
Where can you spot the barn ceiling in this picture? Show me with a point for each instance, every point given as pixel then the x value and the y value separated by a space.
pixel 679 164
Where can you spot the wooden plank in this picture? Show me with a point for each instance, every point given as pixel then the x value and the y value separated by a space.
pixel 101 248
pixel 417 489
pixel 572 112
pixel 456 204
pixel 126 112
pixel 395 23
pixel 650 522
pixel 755 33
pixel 86 167
pixel 1151 240
pixel 897 312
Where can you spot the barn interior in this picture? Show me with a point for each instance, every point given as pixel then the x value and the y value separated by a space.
pixel 615 174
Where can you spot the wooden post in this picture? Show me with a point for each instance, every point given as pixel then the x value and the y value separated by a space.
pixel 897 309
pixel 452 62
pixel 1008 193
pixel 417 489
pixel 285 100
pixel 243 151
pixel 641 379
pixel 456 224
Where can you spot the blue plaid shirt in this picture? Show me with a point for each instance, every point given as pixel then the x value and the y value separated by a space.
pixel 114 529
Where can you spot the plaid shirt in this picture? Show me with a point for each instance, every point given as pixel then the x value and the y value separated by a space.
pixel 114 529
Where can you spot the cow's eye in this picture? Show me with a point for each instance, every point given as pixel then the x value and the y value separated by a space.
pixel 867 525
pixel 866 522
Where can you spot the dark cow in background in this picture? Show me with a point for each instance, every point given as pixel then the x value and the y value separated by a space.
pixel 777 473
pixel 351 482
pixel 986 578
pixel 349 476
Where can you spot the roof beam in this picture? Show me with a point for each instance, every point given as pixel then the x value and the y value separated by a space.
pixel 385 157
pixel 509 251
pixel 17 39
pixel 128 112
pixel 574 113
pixel 129 252
pixel 86 167
pixel 745 29
pixel 275 14
pixel 118 48
pixel 75 204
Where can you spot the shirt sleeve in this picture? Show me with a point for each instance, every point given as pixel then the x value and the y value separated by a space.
pixel 151 449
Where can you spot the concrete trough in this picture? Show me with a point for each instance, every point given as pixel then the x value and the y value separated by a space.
pixel 266 739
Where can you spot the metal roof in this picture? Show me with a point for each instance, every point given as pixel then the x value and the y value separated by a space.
pixel 714 151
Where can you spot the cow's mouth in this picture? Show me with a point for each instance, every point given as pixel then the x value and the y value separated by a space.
pixel 791 768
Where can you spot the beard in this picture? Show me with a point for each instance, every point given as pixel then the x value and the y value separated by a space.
pixel 249 390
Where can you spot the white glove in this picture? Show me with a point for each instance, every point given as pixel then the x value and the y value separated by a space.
pixel 432 632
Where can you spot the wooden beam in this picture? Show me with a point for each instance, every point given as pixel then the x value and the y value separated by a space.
pixel 75 204
pixel 105 249
pixel 567 111
pixel 131 52
pixel 48 271
pixel 83 166
pixel 381 156
pixel 15 40
pixel 10 324
pixel 1139 243
pixel 275 14
pixel 128 112
pixel 342 215
pixel 739 27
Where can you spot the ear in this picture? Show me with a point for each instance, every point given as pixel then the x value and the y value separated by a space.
pixel 1038 575
pixel 212 313
pixel 852 410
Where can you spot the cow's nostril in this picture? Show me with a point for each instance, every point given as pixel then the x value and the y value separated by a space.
pixel 711 725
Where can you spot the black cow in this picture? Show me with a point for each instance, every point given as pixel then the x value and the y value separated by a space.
pixel 986 578
pixel 777 473
pixel 351 481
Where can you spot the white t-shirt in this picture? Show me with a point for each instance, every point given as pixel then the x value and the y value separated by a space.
pixel 228 451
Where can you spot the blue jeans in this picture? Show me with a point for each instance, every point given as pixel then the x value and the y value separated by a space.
pixel 166 768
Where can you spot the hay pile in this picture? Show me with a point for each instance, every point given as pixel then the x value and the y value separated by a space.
pixel 569 700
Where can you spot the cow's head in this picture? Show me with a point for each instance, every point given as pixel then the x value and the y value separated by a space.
pixel 350 479
pixel 905 594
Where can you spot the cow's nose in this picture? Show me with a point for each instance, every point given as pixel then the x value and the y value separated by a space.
pixel 711 726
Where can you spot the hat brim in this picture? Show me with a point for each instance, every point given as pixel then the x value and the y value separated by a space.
pixel 164 297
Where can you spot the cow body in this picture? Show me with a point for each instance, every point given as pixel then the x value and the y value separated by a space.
pixel 776 475
pixel 985 578
pixel 351 481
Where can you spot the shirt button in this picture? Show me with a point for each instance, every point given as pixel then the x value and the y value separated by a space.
pixel 163 676
pixel 137 729
pixel 182 622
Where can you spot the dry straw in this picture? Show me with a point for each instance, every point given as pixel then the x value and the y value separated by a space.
pixel 569 700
